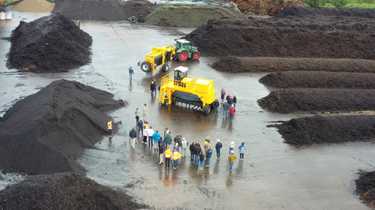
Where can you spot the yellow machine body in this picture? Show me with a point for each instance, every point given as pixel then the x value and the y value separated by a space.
pixel 159 56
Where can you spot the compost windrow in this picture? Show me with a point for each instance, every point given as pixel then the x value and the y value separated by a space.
pixel 63 191
pixel 47 131
pixel 320 37
pixel 310 79
pixel 308 11
pixel 319 100
pixel 327 129
pixel 49 44
pixel 365 187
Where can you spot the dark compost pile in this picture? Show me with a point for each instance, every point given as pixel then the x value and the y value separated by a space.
pixel 365 187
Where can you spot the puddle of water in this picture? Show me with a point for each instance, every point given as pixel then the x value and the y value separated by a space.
pixel 273 174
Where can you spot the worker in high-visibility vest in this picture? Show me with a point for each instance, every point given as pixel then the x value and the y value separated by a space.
pixel 109 128
pixel 168 156
pixel 175 158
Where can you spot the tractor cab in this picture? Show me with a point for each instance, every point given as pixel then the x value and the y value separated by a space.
pixel 179 74
pixel 183 44
pixel 186 51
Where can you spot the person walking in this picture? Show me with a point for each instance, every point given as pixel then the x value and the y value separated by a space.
pixel 145 134
pixel 231 159
pixel 198 152
pixel 140 128
pixel 167 156
pixel 110 129
pixel 222 95
pixel 201 159
pixel 231 111
pixel 131 72
pixel 133 136
pixel 150 133
pixel 229 99
pixel 153 88
pixel 241 149
pixel 231 147
pixel 175 158
pixel 144 112
pixel 156 139
pixel 136 115
pixel 184 147
pixel 234 100
pixel 218 147
pixel 225 109
pixel 168 139
pixel 192 152
pixel 161 152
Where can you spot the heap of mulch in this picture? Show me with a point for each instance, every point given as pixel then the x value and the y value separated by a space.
pixel 49 44
pixel 275 64
pixel 64 191
pixel 327 129
pixel 308 11
pixel 47 131
pixel 320 37
pixel 365 187
pixel 309 79
pixel 311 100
pixel 107 10
pixel 33 6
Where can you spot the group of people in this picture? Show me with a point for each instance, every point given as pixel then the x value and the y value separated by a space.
pixel 171 151
pixel 228 103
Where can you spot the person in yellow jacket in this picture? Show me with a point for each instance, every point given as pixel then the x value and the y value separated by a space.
pixel 175 158
pixel 231 158
pixel 168 156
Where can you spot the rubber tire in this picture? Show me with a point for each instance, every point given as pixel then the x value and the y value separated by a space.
pixel 146 67
pixel 207 110
pixel 166 67
pixel 183 56
pixel 196 56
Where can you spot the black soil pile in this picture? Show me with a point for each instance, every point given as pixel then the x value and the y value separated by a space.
pixel 49 44
pixel 45 132
pixel 320 37
pixel 308 11
pixel 311 100
pixel 308 79
pixel 275 64
pixel 63 191
pixel 327 129
pixel 365 187
pixel 107 10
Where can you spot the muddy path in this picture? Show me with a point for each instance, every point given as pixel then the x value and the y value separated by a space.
pixel 276 64
pixel 310 79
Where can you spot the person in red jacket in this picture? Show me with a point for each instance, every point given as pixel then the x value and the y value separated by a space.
pixel 232 111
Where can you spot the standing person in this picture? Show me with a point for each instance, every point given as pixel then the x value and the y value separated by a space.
pixel 131 72
pixel 156 139
pixel 168 155
pixel 231 147
pixel 241 149
pixel 225 109
pixel 145 134
pixel 231 111
pixel 229 99
pixel 222 95
pixel 136 115
pixel 192 152
pixel 133 136
pixel 110 130
pixel 198 152
pixel 234 100
pixel 161 152
pixel 168 139
pixel 140 128
pixel 166 131
pixel 201 159
pixel 184 147
pixel 175 158
pixel 150 133
pixel 218 147
pixel 144 112
pixel 153 88
pixel 231 158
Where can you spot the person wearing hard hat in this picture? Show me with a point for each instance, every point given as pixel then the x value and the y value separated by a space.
pixel 168 156
pixel 231 158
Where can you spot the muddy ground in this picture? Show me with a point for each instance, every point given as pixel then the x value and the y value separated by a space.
pixel 189 15
pixel 63 191
pixel 47 131
pixel 318 100
pixel 365 187
pixel 314 12
pixel 49 44
pixel 275 64
pixel 107 10
pixel 327 129
pixel 310 79
pixel 321 37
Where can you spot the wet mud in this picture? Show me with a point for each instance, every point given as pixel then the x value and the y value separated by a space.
pixel 49 44
pixel 323 37
pixel 309 79
pixel 327 129
pixel 365 187
pixel 318 100
pixel 107 10
pixel 307 11
pixel 46 132
pixel 64 191
pixel 277 64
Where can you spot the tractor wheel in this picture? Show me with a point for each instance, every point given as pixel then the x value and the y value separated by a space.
pixel 196 56
pixel 183 56
pixel 166 67
pixel 207 110
pixel 146 67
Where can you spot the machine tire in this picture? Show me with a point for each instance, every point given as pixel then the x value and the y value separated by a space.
pixel 146 67
pixel 215 105
pixel 166 67
pixel 183 56
pixel 207 110
pixel 196 56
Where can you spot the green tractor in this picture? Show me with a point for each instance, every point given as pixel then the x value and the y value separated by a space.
pixel 186 51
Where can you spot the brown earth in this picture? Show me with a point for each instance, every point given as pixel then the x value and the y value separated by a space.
pixel 312 100
pixel 309 79
pixel 63 191
pixel 275 64
pixel 108 10
pixel 318 37
pixel 365 187
pixel 47 131
pixel 33 6
pixel 265 7
pixel 327 129
pixel 49 44
pixel 313 12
